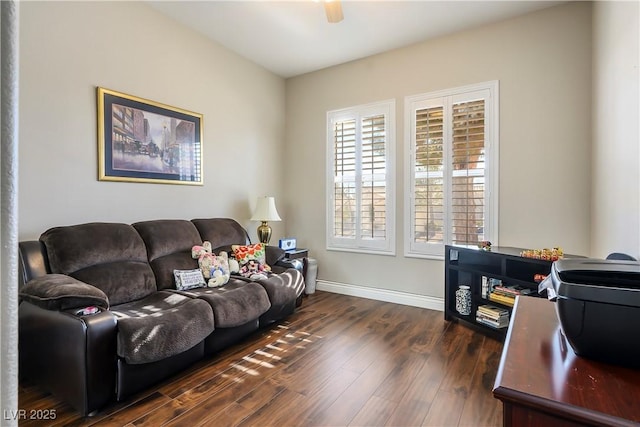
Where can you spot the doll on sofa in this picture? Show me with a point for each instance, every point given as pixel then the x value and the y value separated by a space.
pixel 253 270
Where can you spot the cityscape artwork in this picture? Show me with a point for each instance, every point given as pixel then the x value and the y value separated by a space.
pixel 145 141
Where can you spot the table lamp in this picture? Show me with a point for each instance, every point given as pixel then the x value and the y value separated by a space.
pixel 265 211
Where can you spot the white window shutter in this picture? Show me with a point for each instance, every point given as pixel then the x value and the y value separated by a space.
pixel 360 173
pixel 452 140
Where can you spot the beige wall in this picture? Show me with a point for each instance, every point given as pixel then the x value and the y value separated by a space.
pixel 616 134
pixel 542 60
pixel 69 48
pixel 543 63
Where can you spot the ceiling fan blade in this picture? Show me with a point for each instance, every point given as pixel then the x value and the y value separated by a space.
pixel 333 8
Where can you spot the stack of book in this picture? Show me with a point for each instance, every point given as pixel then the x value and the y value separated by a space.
pixel 507 294
pixel 492 316
pixel 488 284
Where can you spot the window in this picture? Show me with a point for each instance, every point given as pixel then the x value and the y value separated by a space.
pixel 452 174
pixel 360 178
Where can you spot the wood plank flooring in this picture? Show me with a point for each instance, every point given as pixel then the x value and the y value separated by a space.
pixel 338 361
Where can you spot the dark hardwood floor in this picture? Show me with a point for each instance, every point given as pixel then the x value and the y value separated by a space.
pixel 338 361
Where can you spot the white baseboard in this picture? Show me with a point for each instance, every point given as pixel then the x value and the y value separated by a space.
pixel 386 295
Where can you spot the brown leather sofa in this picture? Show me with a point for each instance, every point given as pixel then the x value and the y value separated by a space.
pixel 145 329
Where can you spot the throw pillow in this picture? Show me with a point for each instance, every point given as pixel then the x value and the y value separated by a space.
pixel 246 253
pixel 61 292
pixel 188 279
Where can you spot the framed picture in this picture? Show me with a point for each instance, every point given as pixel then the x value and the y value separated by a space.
pixel 146 141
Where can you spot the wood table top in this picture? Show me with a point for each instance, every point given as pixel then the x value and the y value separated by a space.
pixel 540 369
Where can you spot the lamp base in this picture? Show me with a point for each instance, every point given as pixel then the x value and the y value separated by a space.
pixel 264 233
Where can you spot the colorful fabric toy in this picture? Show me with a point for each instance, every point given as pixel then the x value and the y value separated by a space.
pixel 205 258
pixel 220 272
pixel 253 270
pixel 214 268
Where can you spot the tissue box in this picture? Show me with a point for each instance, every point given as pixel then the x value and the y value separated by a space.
pixel 287 244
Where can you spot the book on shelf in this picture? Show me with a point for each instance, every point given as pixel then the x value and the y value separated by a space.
pixel 501 320
pixel 492 312
pixel 503 299
pixel 485 286
pixel 512 290
pixel 492 323
pixel 493 283
pixel 495 317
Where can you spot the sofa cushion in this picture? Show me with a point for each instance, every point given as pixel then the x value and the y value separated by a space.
pixel 221 232
pixel 161 325
pixel 282 288
pixel 163 268
pixel 61 292
pixel 233 304
pixel 169 244
pixel 109 256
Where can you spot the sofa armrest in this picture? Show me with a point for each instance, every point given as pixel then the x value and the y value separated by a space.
pixel 285 263
pixel 61 292
pixel 73 357
pixel 273 255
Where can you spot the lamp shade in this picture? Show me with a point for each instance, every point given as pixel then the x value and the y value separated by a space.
pixel 266 210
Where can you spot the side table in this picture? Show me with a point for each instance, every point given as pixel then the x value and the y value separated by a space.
pixel 299 254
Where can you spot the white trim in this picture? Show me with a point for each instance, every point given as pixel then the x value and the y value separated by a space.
pixel 362 251
pixel 386 295
pixel 494 166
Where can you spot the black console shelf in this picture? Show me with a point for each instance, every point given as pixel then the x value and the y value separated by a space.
pixel 468 265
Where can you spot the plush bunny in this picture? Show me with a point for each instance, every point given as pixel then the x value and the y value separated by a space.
pixel 198 250
pixel 220 273
pixel 205 258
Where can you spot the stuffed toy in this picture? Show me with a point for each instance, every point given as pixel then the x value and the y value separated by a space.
pixel 219 270
pixel 214 268
pixel 205 258
pixel 253 270
pixel 234 267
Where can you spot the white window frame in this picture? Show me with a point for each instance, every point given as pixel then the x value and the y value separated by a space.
pixel 490 92
pixel 359 244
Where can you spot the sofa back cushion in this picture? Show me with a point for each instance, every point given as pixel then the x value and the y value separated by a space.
pixel 222 233
pixel 109 256
pixel 169 243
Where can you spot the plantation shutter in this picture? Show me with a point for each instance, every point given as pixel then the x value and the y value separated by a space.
pixel 360 142
pixel 428 189
pixel 452 138
pixel 344 200
pixel 373 178
pixel 468 175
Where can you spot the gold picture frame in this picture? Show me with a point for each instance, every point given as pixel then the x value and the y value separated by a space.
pixel 145 141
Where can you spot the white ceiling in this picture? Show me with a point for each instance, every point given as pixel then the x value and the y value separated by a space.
pixel 293 37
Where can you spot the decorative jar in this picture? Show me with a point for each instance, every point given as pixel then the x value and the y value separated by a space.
pixel 463 300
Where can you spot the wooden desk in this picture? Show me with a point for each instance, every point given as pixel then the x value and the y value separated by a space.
pixel 541 381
